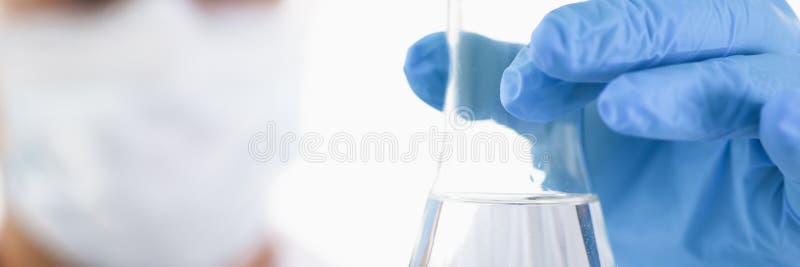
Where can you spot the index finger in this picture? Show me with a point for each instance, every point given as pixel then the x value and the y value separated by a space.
pixel 596 41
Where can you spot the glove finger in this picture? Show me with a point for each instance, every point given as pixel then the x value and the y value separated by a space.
pixel 427 68
pixel 529 94
pixel 481 64
pixel 714 99
pixel 596 41
pixel 780 135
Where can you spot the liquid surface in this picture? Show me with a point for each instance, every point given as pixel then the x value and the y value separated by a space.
pixel 512 230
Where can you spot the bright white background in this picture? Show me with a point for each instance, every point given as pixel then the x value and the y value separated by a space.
pixel 363 214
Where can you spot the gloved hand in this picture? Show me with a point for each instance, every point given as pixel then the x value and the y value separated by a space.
pixel 692 120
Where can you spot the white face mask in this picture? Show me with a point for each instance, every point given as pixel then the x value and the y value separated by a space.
pixel 127 133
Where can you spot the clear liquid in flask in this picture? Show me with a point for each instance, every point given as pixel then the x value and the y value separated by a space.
pixel 511 230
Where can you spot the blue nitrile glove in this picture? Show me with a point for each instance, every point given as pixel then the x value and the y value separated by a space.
pixel 693 142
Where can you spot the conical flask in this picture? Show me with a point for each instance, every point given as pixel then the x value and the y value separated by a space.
pixel 508 192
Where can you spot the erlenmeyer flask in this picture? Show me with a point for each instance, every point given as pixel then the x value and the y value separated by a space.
pixel 508 192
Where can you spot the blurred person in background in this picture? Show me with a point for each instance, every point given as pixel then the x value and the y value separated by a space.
pixel 126 125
